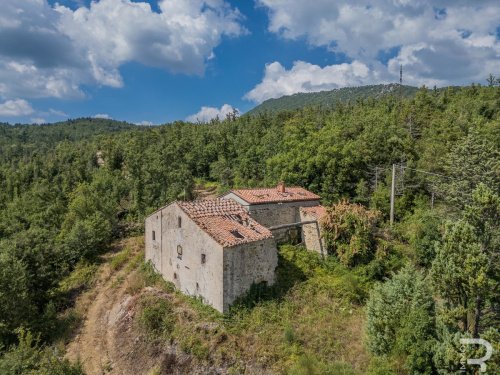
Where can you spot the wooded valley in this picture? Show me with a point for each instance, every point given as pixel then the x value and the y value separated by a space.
pixel 68 191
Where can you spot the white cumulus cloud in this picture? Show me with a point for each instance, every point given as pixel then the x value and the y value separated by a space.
pixel 51 51
pixel 103 116
pixel 438 42
pixel 16 107
pixel 144 123
pixel 306 77
pixel 205 114
pixel 38 121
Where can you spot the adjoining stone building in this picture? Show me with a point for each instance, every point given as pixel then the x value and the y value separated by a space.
pixel 276 208
pixel 210 248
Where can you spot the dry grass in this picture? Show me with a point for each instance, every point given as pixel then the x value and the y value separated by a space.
pixel 319 319
pixel 311 322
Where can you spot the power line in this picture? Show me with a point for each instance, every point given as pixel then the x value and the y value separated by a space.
pixel 429 173
pixel 393 185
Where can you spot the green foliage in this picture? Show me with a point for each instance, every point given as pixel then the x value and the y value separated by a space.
pixel 156 316
pixel 306 365
pixel 422 230
pixel 330 99
pixel 381 366
pixel 15 307
pixel 350 232
pixel 83 276
pixel 67 190
pixel 29 358
pixel 465 271
pixel 472 161
pixel 120 259
pixel 87 237
pixel 400 320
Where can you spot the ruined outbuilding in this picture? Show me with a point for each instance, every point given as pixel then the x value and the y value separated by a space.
pixel 276 208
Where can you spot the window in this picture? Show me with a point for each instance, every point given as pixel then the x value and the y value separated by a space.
pixel 154 236
pixel 179 222
pixel 203 258
pixel 175 275
pixel 179 251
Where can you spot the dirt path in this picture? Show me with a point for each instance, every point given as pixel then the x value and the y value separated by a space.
pixel 204 192
pixel 107 306
pixel 109 342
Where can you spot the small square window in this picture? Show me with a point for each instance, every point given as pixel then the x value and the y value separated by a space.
pixel 203 258
pixel 154 236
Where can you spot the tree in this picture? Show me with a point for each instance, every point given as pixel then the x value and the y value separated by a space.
pixel 484 215
pixel 465 270
pixel 87 238
pixel 15 306
pixel 401 320
pixel 472 161
pixel 422 230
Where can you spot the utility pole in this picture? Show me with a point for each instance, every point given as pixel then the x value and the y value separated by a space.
pixel 393 188
pixel 432 200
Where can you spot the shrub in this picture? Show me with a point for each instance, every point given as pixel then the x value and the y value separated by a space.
pixel 29 358
pixel 120 259
pixel 349 232
pixel 157 317
pixel 401 320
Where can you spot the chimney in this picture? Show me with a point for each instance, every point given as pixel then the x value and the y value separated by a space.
pixel 281 187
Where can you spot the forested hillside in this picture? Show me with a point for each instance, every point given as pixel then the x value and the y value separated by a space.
pixel 71 130
pixel 68 190
pixel 329 99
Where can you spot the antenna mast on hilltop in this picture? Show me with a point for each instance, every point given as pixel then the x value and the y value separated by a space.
pixel 400 82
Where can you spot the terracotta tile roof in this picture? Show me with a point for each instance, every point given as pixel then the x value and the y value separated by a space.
pixel 316 211
pixel 226 221
pixel 274 195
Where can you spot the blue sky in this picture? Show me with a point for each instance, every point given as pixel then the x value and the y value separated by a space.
pixel 194 59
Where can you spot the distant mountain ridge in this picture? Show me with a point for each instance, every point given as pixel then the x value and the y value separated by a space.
pixel 70 130
pixel 331 98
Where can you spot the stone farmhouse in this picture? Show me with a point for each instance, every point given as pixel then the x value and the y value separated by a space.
pixel 216 249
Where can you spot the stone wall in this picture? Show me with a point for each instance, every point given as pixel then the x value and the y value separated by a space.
pixel 152 239
pixel 198 271
pixel 247 264
pixel 273 214
pixel 311 234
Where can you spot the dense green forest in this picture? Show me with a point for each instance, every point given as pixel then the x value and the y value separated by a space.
pixel 329 99
pixel 68 190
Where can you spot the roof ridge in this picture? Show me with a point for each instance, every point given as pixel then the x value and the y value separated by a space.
pixel 272 187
